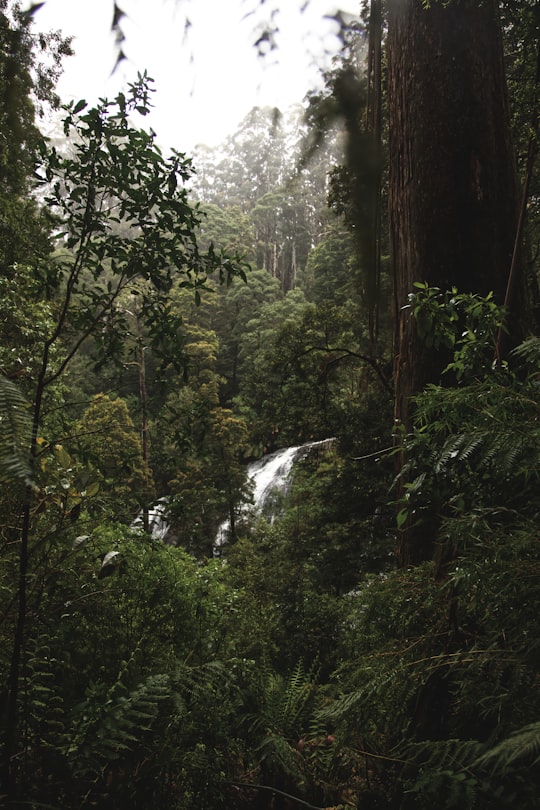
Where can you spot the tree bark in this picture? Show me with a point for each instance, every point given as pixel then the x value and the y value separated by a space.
pixel 453 190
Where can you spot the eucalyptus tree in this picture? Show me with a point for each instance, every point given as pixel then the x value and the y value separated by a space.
pixel 228 228
pixel 453 190
pixel 262 172
pixel 241 304
pixel 251 162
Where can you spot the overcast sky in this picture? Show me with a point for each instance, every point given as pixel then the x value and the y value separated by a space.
pixel 206 77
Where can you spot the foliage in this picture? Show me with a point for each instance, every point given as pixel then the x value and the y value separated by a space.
pixel 121 682
pixel 464 323
pixel 443 670
pixel 259 184
pixel 311 375
pixel 440 692
pixel 473 449
pixel 125 215
pixel 27 320
pixel 291 749
pixel 281 616
pixel 202 449
pixel 14 432
pixel 124 225
pixel 337 520
pixel 106 439
pixel 246 320
pixel 329 269
pixel 29 68
pixel 229 227
pixel 302 667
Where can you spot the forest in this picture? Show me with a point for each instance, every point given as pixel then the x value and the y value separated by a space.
pixel 361 271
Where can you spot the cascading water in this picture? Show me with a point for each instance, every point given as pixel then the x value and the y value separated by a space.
pixel 270 477
pixel 157 520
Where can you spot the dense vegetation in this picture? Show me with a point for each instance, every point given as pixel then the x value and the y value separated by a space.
pixel 163 323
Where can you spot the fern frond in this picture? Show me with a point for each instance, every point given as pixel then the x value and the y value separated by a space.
pixel 394 684
pixel 469 445
pixel 116 726
pixel 276 754
pixel 45 706
pixel 529 352
pixel 437 755
pixel 14 434
pixel 522 748
pixel 295 703
pixel 194 682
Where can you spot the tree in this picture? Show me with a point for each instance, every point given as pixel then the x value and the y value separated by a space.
pixel 268 171
pixel 202 447
pixel 453 191
pixel 330 269
pixel 109 443
pixel 28 83
pixel 29 67
pixel 248 165
pixel 305 371
pixel 228 228
pixel 240 305
pixel 124 218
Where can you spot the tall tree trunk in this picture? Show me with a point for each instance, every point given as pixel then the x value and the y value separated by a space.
pixel 453 191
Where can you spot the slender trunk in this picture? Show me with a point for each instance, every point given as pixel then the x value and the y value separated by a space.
pixel 11 760
pixel 144 424
pixel 374 125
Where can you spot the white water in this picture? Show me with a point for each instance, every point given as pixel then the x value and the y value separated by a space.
pixel 157 521
pixel 270 477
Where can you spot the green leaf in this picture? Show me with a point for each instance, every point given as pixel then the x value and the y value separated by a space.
pixel 401 518
pixel 80 105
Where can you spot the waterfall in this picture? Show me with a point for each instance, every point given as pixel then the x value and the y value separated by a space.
pixel 270 477
pixel 157 520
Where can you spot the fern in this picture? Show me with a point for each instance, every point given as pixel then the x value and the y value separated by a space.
pixel 441 755
pixel 277 723
pixel 442 768
pixel 195 684
pixel 104 732
pixel 474 447
pixel 276 755
pixel 529 353
pixel 454 769
pixel 357 703
pixel 43 727
pixel 283 704
pixel 14 434
pixel 520 749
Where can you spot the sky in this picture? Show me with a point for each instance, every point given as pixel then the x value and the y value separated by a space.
pixel 201 55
